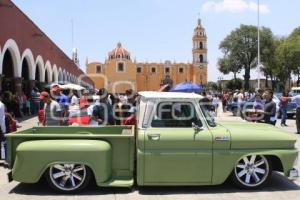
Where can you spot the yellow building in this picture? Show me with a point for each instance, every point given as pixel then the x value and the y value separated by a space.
pixel 119 72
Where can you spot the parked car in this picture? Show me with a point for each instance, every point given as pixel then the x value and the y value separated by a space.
pixel 175 142
pixel 291 107
pixel 295 90
pixel 78 117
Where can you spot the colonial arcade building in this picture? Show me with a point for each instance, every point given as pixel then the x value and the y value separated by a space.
pixel 28 57
pixel 119 72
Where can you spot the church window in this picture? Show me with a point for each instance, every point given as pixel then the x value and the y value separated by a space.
pixel 120 67
pixel 153 70
pixel 167 70
pixel 181 70
pixel 201 45
pixel 98 69
pixel 201 58
pixel 138 70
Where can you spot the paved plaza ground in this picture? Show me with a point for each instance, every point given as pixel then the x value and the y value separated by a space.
pixel 279 187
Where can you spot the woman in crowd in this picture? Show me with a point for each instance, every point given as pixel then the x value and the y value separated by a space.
pixel 283 107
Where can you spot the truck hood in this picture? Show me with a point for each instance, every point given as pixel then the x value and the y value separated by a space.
pixel 249 135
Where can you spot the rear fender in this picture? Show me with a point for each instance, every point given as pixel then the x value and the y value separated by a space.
pixel 34 157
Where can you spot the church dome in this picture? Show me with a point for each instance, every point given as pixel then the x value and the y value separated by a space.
pixel 119 52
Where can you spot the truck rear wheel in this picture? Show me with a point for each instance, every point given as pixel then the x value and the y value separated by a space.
pixel 68 178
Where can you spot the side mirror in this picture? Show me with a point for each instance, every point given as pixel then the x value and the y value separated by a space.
pixel 197 128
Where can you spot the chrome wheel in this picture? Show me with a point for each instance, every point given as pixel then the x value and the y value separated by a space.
pixel 252 171
pixel 67 177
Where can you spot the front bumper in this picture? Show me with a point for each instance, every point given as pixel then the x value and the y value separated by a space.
pixel 290 112
pixel 293 174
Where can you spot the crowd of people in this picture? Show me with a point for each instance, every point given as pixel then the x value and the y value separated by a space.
pixel 55 106
pixel 102 108
pixel 263 108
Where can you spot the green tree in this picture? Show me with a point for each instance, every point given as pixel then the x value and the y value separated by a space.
pixel 295 39
pixel 234 84
pixel 287 57
pixel 211 86
pixel 240 50
pixel 229 64
pixel 270 63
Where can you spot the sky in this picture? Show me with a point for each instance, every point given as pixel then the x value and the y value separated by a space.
pixel 154 30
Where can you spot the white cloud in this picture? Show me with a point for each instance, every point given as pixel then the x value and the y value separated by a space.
pixel 234 6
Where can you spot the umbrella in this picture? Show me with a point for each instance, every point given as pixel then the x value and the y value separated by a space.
pixel 187 87
pixel 71 86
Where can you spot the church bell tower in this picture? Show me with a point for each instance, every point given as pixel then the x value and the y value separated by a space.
pixel 199 46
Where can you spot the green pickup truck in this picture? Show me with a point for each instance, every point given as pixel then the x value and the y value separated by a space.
pixel 175 142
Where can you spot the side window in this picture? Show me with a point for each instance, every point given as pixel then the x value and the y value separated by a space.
pixel 205 110
pixel 175 114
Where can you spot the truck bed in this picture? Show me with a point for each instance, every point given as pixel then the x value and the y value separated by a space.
pixel 120 138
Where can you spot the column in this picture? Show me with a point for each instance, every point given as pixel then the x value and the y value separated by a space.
pixel 42 86
pixel 32 84
pixel 18 85
pixel 1 78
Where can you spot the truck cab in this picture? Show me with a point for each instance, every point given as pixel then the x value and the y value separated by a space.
pixel 172 127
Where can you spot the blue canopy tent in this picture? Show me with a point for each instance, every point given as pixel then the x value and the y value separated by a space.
pixel 187 87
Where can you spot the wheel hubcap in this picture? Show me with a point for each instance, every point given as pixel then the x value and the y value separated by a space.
pixel 252 170
pixel 67 177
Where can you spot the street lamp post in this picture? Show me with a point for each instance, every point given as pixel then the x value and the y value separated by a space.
pixel 258 48
pixel 220 79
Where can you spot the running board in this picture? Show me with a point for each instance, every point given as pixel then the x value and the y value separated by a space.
pixel 118 182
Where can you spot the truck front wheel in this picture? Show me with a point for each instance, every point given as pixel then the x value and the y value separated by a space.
pixel 68 178
pixel 252 172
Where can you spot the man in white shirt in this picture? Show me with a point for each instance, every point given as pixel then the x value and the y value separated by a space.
pixel 52 110
pixel 3 129
pixel 240 97
pixel 2 117
pixel 74 99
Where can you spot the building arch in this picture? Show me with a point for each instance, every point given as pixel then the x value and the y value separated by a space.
pixel 25 75
pixel 201 45
pixel 27 54
pixel 54 74
pixel 48 72
pixel 60 75
pixel 201 59
pixel 39 69
pixel 13 49
pixel 64 77
pixel 68 77
pixel 8 75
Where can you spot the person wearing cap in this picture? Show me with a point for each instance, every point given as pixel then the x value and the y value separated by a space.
pixel 131 120
pixel 269 108
pixel 61 99
pixel 83 101
pixel 52 110
pixel 74 98
pixel 297 100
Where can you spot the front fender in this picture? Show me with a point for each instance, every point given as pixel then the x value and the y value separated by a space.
pixel 225 160
pixel 34 157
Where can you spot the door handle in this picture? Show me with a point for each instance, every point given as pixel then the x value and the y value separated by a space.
pixel 154 137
